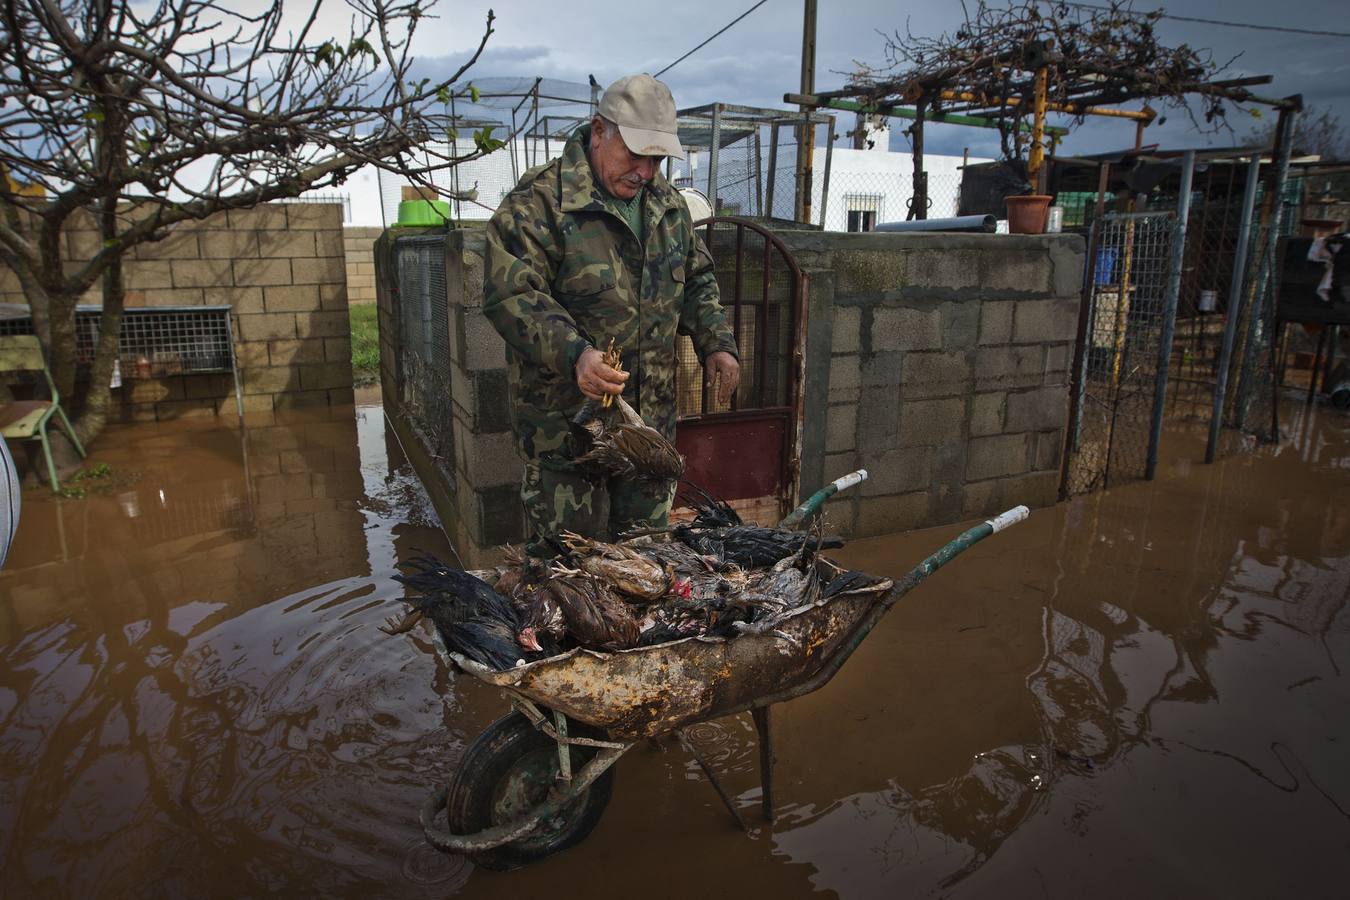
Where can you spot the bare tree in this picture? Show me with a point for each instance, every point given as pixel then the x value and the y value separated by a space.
pixel 1317 131
pixel 146 115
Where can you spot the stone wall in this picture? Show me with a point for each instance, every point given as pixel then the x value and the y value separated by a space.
pixel 281 269
pixel 940 363
pixel 358 243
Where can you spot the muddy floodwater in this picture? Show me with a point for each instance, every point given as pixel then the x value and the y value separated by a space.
pixel 1139 693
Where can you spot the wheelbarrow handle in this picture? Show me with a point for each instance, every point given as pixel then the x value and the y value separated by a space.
pixel 817 500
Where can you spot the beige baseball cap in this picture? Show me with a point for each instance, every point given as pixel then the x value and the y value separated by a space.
pixel 644 110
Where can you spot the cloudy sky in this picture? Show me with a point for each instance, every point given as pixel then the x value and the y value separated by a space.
pixel 759 59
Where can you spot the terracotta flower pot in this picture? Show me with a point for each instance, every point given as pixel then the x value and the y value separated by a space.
pixel 1026 213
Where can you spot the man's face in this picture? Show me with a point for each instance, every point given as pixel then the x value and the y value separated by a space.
pixel 621 172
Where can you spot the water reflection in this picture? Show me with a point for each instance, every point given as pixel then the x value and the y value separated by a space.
pixel 1142 687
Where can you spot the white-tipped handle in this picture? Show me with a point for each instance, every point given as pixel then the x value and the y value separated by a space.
pixel 1007 519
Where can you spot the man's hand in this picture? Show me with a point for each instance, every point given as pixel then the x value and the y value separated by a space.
pixel 597 379
pixel 724 371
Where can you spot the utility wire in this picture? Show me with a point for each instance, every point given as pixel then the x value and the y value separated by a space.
pixel 1135 12
pixel 709 40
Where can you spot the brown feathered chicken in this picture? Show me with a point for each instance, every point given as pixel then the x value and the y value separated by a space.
pixel 620 443
pixel 628 570
pixel 592 615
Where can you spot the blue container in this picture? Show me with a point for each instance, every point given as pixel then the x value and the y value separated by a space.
pixel 1106 266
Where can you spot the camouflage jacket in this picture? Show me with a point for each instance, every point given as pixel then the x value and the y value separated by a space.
pixel 565 272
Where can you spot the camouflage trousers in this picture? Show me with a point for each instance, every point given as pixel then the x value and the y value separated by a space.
pixel 558 497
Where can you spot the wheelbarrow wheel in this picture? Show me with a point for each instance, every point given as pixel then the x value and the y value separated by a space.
pixel 510 769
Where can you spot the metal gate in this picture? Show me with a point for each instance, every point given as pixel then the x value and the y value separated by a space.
pixel 747 453
pixel 1118 373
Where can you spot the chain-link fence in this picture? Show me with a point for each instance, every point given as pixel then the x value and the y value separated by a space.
pixel 1109 440
pixel 424 350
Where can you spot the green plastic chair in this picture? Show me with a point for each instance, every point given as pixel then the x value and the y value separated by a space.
pixel 26 420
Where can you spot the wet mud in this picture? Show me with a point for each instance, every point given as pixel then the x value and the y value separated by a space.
pixel 1138 692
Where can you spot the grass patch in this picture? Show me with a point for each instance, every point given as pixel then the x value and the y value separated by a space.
pixel 97 479
pixel 365 344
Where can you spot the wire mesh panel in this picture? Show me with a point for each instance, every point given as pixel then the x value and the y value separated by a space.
pixel 1126 311
pixel 155 342
pixel 424 341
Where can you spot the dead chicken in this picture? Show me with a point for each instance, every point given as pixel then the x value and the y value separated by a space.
pixel 617 442
pixel 628 570
pixel 591 613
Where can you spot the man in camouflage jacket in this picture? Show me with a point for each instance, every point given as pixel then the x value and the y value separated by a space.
pixel 594 246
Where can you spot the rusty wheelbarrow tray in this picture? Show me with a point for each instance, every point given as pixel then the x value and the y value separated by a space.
pixel 650 691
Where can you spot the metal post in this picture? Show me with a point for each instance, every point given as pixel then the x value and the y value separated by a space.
pixel 1036 155
pixel 1234 303
pixel 806 134
pixel 1170 312
pixel 825 185
pixel 759 175
pixel 773 170
pixel 1285 137
pixel 918 191
pixel 712 156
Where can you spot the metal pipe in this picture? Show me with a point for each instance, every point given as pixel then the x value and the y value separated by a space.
pixel 901 112
pixel 825 184
pixel 817 500
pixel 762 325
pixel 1037 154
pixel 1170 312
pixel 773 170
pixel 712 156
pixel 1265 281
pixel 1234 304
pixel 1146 115
pixel 986 224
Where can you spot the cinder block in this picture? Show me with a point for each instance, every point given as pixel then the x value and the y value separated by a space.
pixel 1045 321
pixel 846 330
pixel 878 420
pixel 173 297
pixel 154 390
pixel 319 270
pixel 341 396
pixel 868 272
pixel 337 350
pixel 952 269
pixel 329 243
pixel 248 354
pixel 898 472
pixel 881 369
pixel 1018 271
pixel 841 428
pixel 184 409
pixel 180 244
pixel 960 324
pixel 262 272
pixel 906 329
pixel 326 375
pixel 291 243
pixel 845 373
pixel 1037 410
pixel 491 459
pixel 291 298
pixel 266 327
pixel 243 300
pixel 297 399
pixel 208 386
pixel 490 403
pixel 940 374
pixel 986 414
pixel 1057 360
pixel 996 317
pixel 333 296
pixel 82 245
pixel 145 274
pixel 322 324
pixel 201 273
pixel 1067 258
pixel 268 217
pixel 896 513
pixel 484 348
pixel 327 216
pixel 269 379
pixel 837 464
pixel 294 352
pixel 228 244
pixel 981 498
pixel 997 456
pixel 1048 444
pixel 930 423
pixel 1005 367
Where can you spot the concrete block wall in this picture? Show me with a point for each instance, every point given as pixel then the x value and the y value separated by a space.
pixel 940 363
pixel 281 269
pixel 358 242
pixel 477 491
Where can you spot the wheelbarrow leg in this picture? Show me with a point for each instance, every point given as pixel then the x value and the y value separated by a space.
pixel 712 777
pixel 766 759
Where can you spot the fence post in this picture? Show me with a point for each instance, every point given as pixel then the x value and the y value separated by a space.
pixel 1170 312
pixel 1232 313
pixel 712 156
pixel 1284 146
pixel 773 171
pixel 825 184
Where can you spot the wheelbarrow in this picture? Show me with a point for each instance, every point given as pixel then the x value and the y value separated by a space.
pixel 537 780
